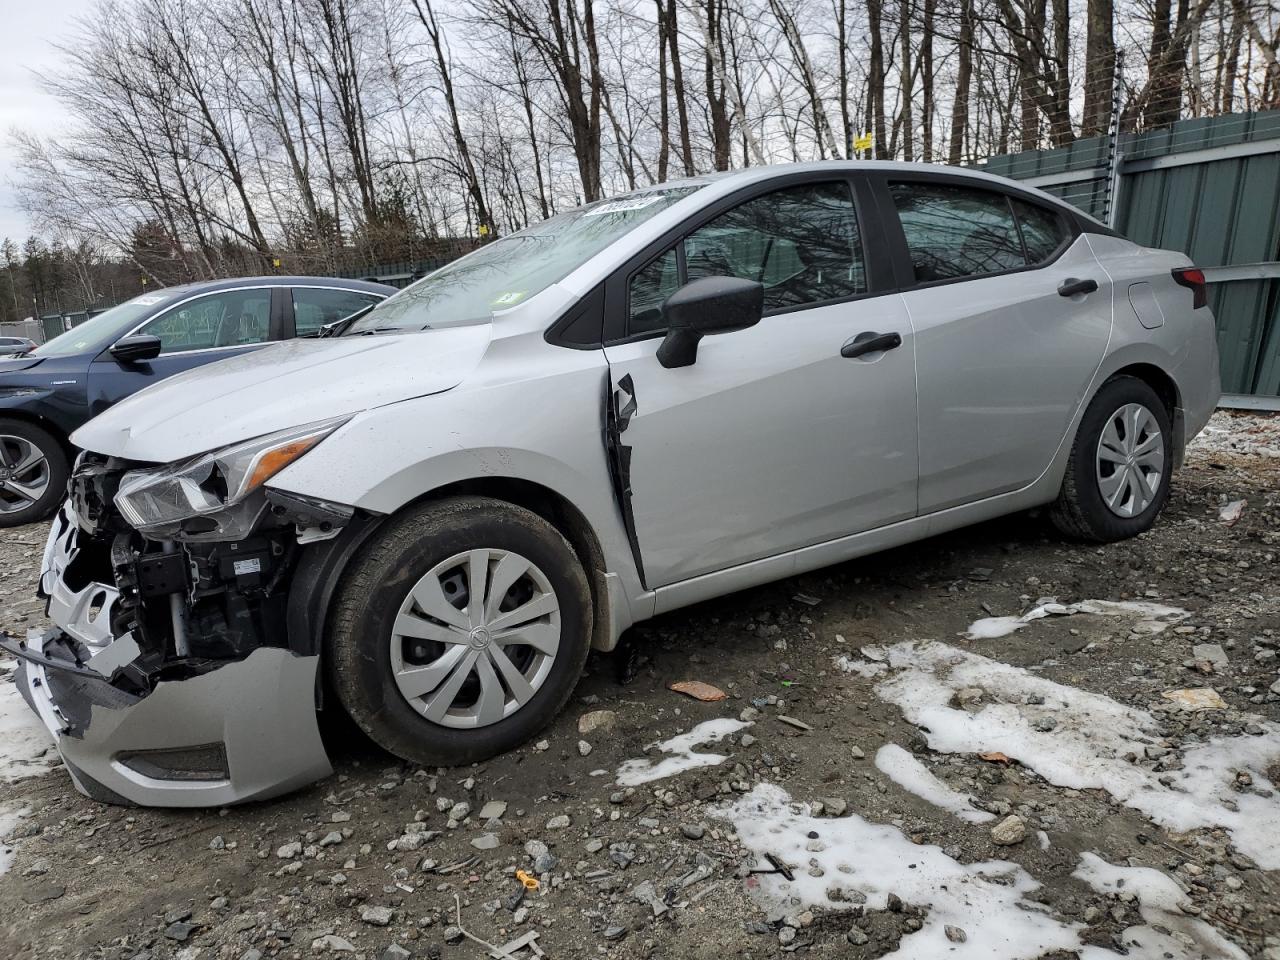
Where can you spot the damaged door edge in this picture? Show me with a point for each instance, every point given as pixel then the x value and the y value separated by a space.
pixel 619 407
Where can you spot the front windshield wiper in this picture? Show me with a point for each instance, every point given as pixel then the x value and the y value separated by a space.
pixel 338 327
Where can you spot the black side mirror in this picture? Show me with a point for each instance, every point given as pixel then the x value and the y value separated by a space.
pixel 705 306
pixel 136 348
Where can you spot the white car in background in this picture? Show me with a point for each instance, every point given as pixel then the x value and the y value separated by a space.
pixel 429 519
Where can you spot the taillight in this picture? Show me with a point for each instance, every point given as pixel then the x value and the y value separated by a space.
pixel 1193 279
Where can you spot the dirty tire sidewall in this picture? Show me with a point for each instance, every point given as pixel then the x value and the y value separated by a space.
pixel 375 583
pixel 59 470
pixel 1080 511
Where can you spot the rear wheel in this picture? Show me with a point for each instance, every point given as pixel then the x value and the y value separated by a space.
pixel 33 473
pixel 460 631
pixel 1117 479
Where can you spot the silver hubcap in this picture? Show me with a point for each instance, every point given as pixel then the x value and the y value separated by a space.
pixel 24 473
pixel 1130 460
pixel 475 638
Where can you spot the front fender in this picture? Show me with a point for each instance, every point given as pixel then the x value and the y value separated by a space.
pixel 544 430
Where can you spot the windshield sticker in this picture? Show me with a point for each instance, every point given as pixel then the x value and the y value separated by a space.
pixel 507 299
pixel 624 206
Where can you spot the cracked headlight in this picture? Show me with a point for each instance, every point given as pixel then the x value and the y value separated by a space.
pixel 216 495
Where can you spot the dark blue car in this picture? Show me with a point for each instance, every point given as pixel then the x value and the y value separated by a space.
pixel 49 392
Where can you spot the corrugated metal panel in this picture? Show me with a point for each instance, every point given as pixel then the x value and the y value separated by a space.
pixel 1220 210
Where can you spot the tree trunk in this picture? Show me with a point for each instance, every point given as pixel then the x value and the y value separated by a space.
pixel 904 68
pixel 926 81
pixel 964 72
pixel 428 17
pixel 1099 67
pixel 842 79
pixel 875 79
pixel 664 110
pixel 678 91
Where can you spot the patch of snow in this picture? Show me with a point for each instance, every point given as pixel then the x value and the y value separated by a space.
pixel 1044 839
pixel 862 668
pixel 906 771
pixel 26 749
pixel 859 859
pixel 635 772
pixel 1149 618
pixel 9 818
pixel 1168 932
pixel 1080 740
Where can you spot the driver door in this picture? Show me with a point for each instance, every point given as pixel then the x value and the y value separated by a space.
pixel 771 440
pixel 192 333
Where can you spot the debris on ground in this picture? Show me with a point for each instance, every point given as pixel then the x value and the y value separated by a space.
pixel 699 690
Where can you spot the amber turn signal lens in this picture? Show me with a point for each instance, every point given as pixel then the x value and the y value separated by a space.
pixel 273 461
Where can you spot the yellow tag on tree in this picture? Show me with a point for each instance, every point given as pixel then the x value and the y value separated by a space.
pixel 483 230
pixel 863 142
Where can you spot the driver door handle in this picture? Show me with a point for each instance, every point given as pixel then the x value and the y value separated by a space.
pixel 870 342
pixel 1071 286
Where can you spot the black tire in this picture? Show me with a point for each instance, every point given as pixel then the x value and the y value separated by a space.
pixel 1080 511
pixel 58 470
pixel 378 579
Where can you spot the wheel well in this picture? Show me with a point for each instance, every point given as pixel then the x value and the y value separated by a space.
pixel 565 517
pixel 1157 380
pixel 1167 391
pixel 22 416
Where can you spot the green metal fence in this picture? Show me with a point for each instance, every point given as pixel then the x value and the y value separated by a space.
pixel 1209 187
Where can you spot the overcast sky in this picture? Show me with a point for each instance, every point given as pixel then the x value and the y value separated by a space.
pixel 30 28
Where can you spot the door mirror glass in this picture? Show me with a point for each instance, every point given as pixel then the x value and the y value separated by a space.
pixel 134 349
pixel 705 306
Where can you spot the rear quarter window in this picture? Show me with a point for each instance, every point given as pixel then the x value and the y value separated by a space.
pixel 1044 231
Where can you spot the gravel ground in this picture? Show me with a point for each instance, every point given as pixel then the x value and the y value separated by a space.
pixel 833 703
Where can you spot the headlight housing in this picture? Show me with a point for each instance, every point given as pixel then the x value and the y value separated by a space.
pixel 216 495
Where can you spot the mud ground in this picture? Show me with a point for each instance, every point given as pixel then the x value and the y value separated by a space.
pixel 312 875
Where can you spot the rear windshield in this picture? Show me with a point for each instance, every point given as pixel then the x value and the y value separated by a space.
pixel 509 271
pixel 106 328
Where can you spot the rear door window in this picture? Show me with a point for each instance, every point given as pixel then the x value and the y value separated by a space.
pixel 313 307
pixel 1043 231
pixel 954 232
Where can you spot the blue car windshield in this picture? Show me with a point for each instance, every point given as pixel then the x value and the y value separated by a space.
pixel 98 333
pixel 509 271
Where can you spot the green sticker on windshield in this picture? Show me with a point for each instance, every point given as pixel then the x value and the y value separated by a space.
pixel 508 299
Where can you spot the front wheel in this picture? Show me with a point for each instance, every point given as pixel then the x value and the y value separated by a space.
pixel 33 473
pixel 1117 479
pixel 460 631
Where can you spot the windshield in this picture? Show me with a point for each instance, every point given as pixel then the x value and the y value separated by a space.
pixel 511 270
pixel 97 332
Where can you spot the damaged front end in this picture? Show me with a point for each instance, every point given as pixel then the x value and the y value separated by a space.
pixel 183 666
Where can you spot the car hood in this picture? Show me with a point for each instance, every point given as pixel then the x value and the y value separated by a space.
pixel 280 386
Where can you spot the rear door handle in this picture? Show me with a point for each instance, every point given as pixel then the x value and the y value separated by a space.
pixel 1071 286
pixel 870 342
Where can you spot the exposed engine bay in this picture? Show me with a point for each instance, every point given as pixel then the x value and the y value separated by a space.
pixel 188 603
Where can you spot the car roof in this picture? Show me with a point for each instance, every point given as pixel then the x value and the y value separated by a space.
pixel 275 280
pixel 762 174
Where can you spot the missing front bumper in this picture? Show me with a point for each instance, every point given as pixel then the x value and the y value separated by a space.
pixel 244 730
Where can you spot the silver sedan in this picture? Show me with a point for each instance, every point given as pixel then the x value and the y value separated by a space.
pixel 429 518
